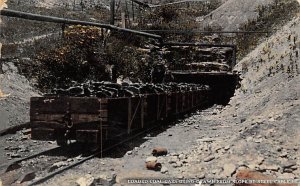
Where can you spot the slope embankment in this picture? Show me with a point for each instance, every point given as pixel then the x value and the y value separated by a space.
pixel 14 103
pixel 233 14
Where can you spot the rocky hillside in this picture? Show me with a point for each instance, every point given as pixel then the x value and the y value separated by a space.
pixel 56 3
pixel 266 108
pixel 233 14
pixel 14 104
pixel 239 14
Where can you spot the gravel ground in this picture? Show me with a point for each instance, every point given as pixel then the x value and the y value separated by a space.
pixel 19 146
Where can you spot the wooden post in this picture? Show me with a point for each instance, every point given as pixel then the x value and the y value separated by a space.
pixel 193 95
pixel 123 20
pixel 129 116
pixel 127 14
pixel 82 5
pixel 167 105
pixel 123 14
pixel 142 111
pixel 132 6
pixel 112 12
pixel 101 129
pixel 157 107
pixel 63 28
pixel 176 103
pixel 137 15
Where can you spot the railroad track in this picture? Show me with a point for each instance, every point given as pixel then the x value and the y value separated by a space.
pixel 95 154
pixel 37 165
pixel 14 165
pixel 19 171
pixel 14 129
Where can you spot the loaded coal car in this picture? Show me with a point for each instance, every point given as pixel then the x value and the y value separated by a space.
pixel 108 111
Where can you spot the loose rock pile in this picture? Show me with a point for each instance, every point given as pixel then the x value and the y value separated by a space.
pixel 112 90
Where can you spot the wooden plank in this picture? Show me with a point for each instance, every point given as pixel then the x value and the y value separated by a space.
pixel 43 134
pixel 84 105
pixel 104 106
pixel 91 125
pixel 47 124
pixel 47 117
pixel 76 118
pixel 48 105
pixel 90 136
pixel 103 101
pixel 60 105
pixel 103 113
pixel 119 108
pixel 85 118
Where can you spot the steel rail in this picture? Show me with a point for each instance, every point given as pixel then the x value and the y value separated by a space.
pixel 14 129
pixel 148 5
pixel 44 18
pixel 197 44
pixel 204 32
pixel 10 166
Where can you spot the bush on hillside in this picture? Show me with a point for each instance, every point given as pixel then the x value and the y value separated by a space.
pixel 90 53
pixel 270 17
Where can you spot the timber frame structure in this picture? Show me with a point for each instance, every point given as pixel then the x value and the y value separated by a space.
pixel 43 18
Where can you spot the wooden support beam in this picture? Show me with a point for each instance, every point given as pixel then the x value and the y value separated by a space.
pixel 112 12
pixel 43 18
pixel 123 14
